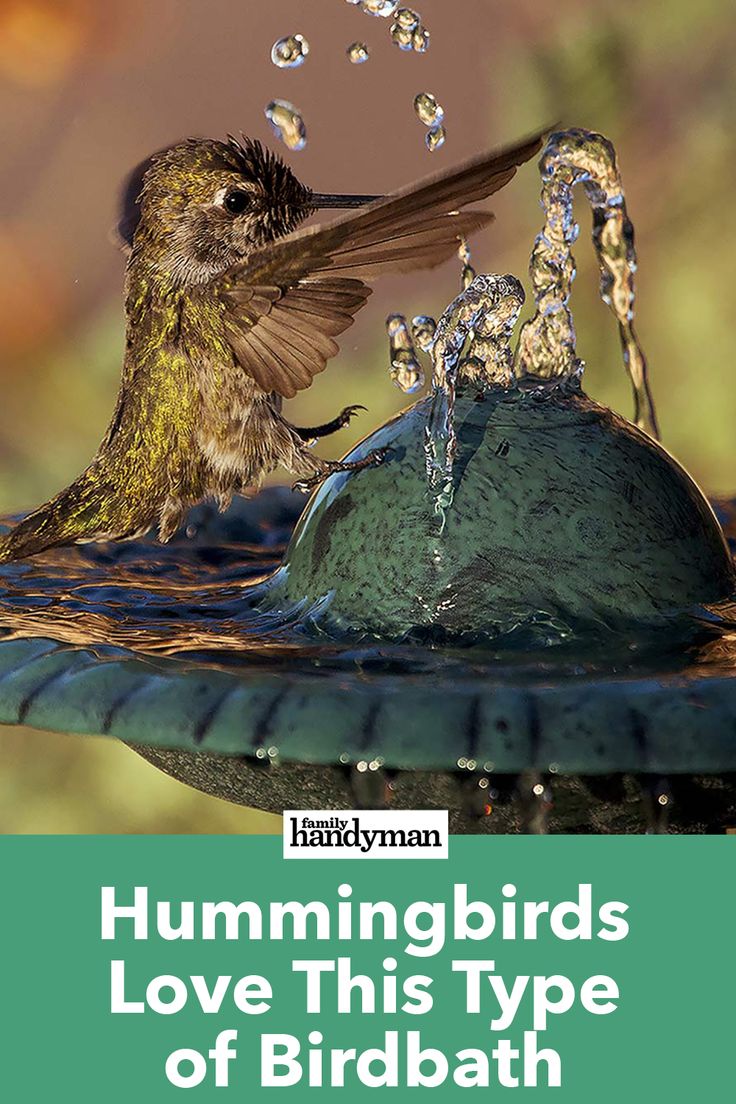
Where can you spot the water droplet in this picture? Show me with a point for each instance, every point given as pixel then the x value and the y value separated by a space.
pixel 422 330
pixel 401 37
pixel 287 124
pixel 289 52
pixel 427 108
pixel 406 371
pixel 435 138
pixel 420 40
pixel 358 52
pixel 407 19
pixel 468 273
pixel 384 8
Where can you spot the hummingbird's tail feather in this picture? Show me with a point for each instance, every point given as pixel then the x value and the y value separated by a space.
pixel 87 510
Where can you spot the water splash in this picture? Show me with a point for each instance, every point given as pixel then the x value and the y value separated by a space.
pixel 405 28
pixel 382 8
pixel 428 109
pixel 402 37
pixel 408 19
pixel 547 341
pixel 468 273
pixel 406 371
pixel 435 137
pixel 431 113
pixel 287 123
pixel 408 31
pixel 482 317
pixel 289 52
pixel 423 329
pixel 358 53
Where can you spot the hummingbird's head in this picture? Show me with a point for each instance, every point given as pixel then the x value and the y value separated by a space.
pixel 198 207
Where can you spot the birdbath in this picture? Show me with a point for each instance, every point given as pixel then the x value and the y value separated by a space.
pixel 522 615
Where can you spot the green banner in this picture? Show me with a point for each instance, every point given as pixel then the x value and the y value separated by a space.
pixel 150 967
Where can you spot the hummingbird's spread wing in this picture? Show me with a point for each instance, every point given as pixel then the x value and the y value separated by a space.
pixel 287 302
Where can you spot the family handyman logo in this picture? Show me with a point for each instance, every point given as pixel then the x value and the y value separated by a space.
pixel 365 834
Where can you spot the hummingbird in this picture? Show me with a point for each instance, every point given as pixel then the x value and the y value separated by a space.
pixel 231 307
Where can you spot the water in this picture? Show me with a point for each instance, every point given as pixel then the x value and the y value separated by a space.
pixel 407 19
pixel 467 273
pixel 547 341
pixel 189 612
pixel 408 32
pixel 195 600
pixel 435 137
pixel 382 8
pixel 481 318
pixel 287 123
pixel 423 329
pixel 406 371
pixel 358 53
pixel 402 37
pixel 289 52
pixel 428 109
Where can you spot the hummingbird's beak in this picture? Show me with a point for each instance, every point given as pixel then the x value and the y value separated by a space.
pixel 327 199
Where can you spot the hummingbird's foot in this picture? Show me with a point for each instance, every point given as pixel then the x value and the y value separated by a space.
pixel 329 467
pixel 311 433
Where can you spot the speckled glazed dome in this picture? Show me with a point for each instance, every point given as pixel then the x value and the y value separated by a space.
pixel 562 511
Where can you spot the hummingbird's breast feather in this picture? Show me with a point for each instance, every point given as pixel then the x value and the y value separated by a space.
pixel 237 434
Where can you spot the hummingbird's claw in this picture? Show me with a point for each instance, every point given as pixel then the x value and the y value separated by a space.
pixel 349 412
pixel 311 433
pixel 372 460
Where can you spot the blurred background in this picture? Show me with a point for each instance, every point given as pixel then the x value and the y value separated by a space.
pixel 88 89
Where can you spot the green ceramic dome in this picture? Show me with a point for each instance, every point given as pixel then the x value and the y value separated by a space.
pixel 562 511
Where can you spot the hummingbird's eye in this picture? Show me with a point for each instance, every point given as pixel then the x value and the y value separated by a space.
pixel 236 202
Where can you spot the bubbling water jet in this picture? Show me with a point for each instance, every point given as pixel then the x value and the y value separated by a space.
pixel 547 341
pixel 482 317
pixel 423 329
pixel 406 371
pixel 468 273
